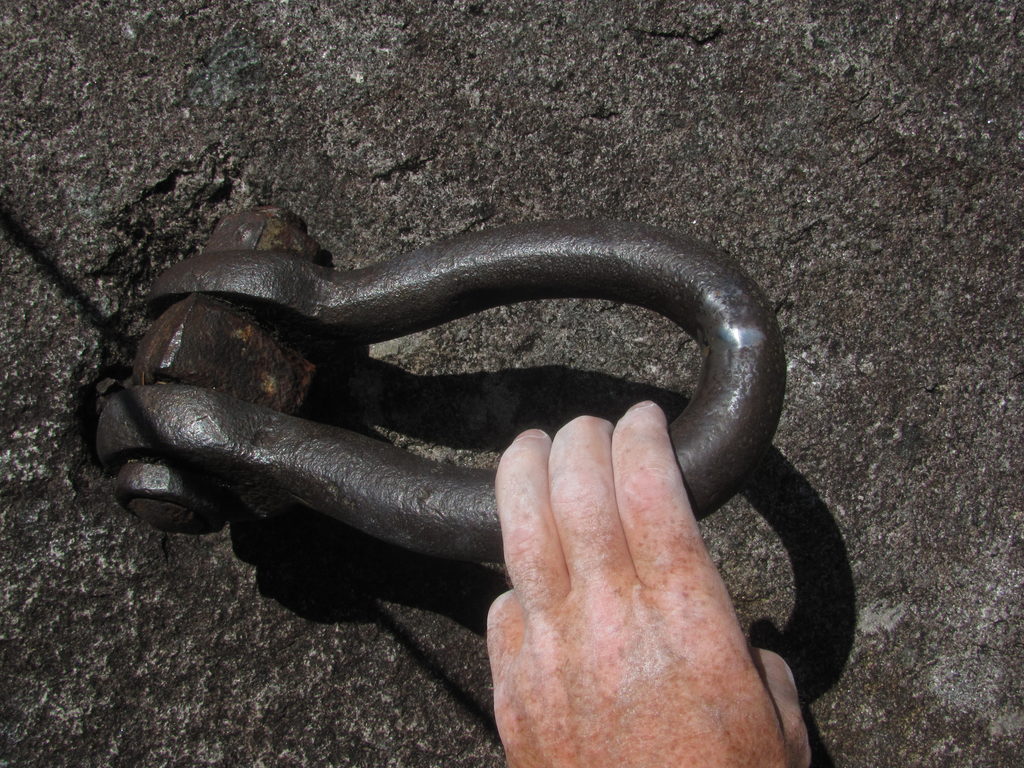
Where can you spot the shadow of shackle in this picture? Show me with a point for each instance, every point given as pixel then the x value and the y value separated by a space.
pixel 325 571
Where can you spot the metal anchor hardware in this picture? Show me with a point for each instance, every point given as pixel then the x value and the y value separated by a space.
pixel 211 428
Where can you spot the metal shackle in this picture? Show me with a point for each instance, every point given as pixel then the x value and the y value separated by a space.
pixel 448 511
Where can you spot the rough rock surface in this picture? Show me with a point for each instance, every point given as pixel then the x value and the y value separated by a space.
pixel 863 160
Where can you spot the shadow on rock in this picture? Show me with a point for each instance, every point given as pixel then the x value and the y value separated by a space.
pixel 326 571
pixel 818 637
pixel 475 411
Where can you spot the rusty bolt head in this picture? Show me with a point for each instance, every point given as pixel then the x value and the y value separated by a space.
pixel 205 343
pixel 267 228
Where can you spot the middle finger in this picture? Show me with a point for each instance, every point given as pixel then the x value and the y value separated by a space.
pixel 583 504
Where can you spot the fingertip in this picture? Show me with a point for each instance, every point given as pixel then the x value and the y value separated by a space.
pixel 641 404
pixel 525 451
pixel 585 424
pixel 532 434
pixel 647 410
pixel 776 674
pixel 777 677
pixel 644 422
pixel 526 444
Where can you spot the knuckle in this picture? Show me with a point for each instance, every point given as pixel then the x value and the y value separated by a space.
pixel 580 493
pixel 579 496
pixel 532 573
pixel 597 557
pixel 534 583
pixel 651 485
pixel 525 562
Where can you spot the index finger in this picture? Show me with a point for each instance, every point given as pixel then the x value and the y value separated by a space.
pixel 533 553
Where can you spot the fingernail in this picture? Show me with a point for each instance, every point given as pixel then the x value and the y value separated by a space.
pixel 644 404
pixel 532 434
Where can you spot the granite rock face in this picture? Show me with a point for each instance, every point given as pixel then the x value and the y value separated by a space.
pixel 863 161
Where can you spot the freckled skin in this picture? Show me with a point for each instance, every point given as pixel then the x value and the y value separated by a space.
pixel 618 644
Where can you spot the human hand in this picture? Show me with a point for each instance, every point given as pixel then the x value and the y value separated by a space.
pixel 618 644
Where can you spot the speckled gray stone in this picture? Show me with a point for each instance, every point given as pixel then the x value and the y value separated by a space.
pixel 862 160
